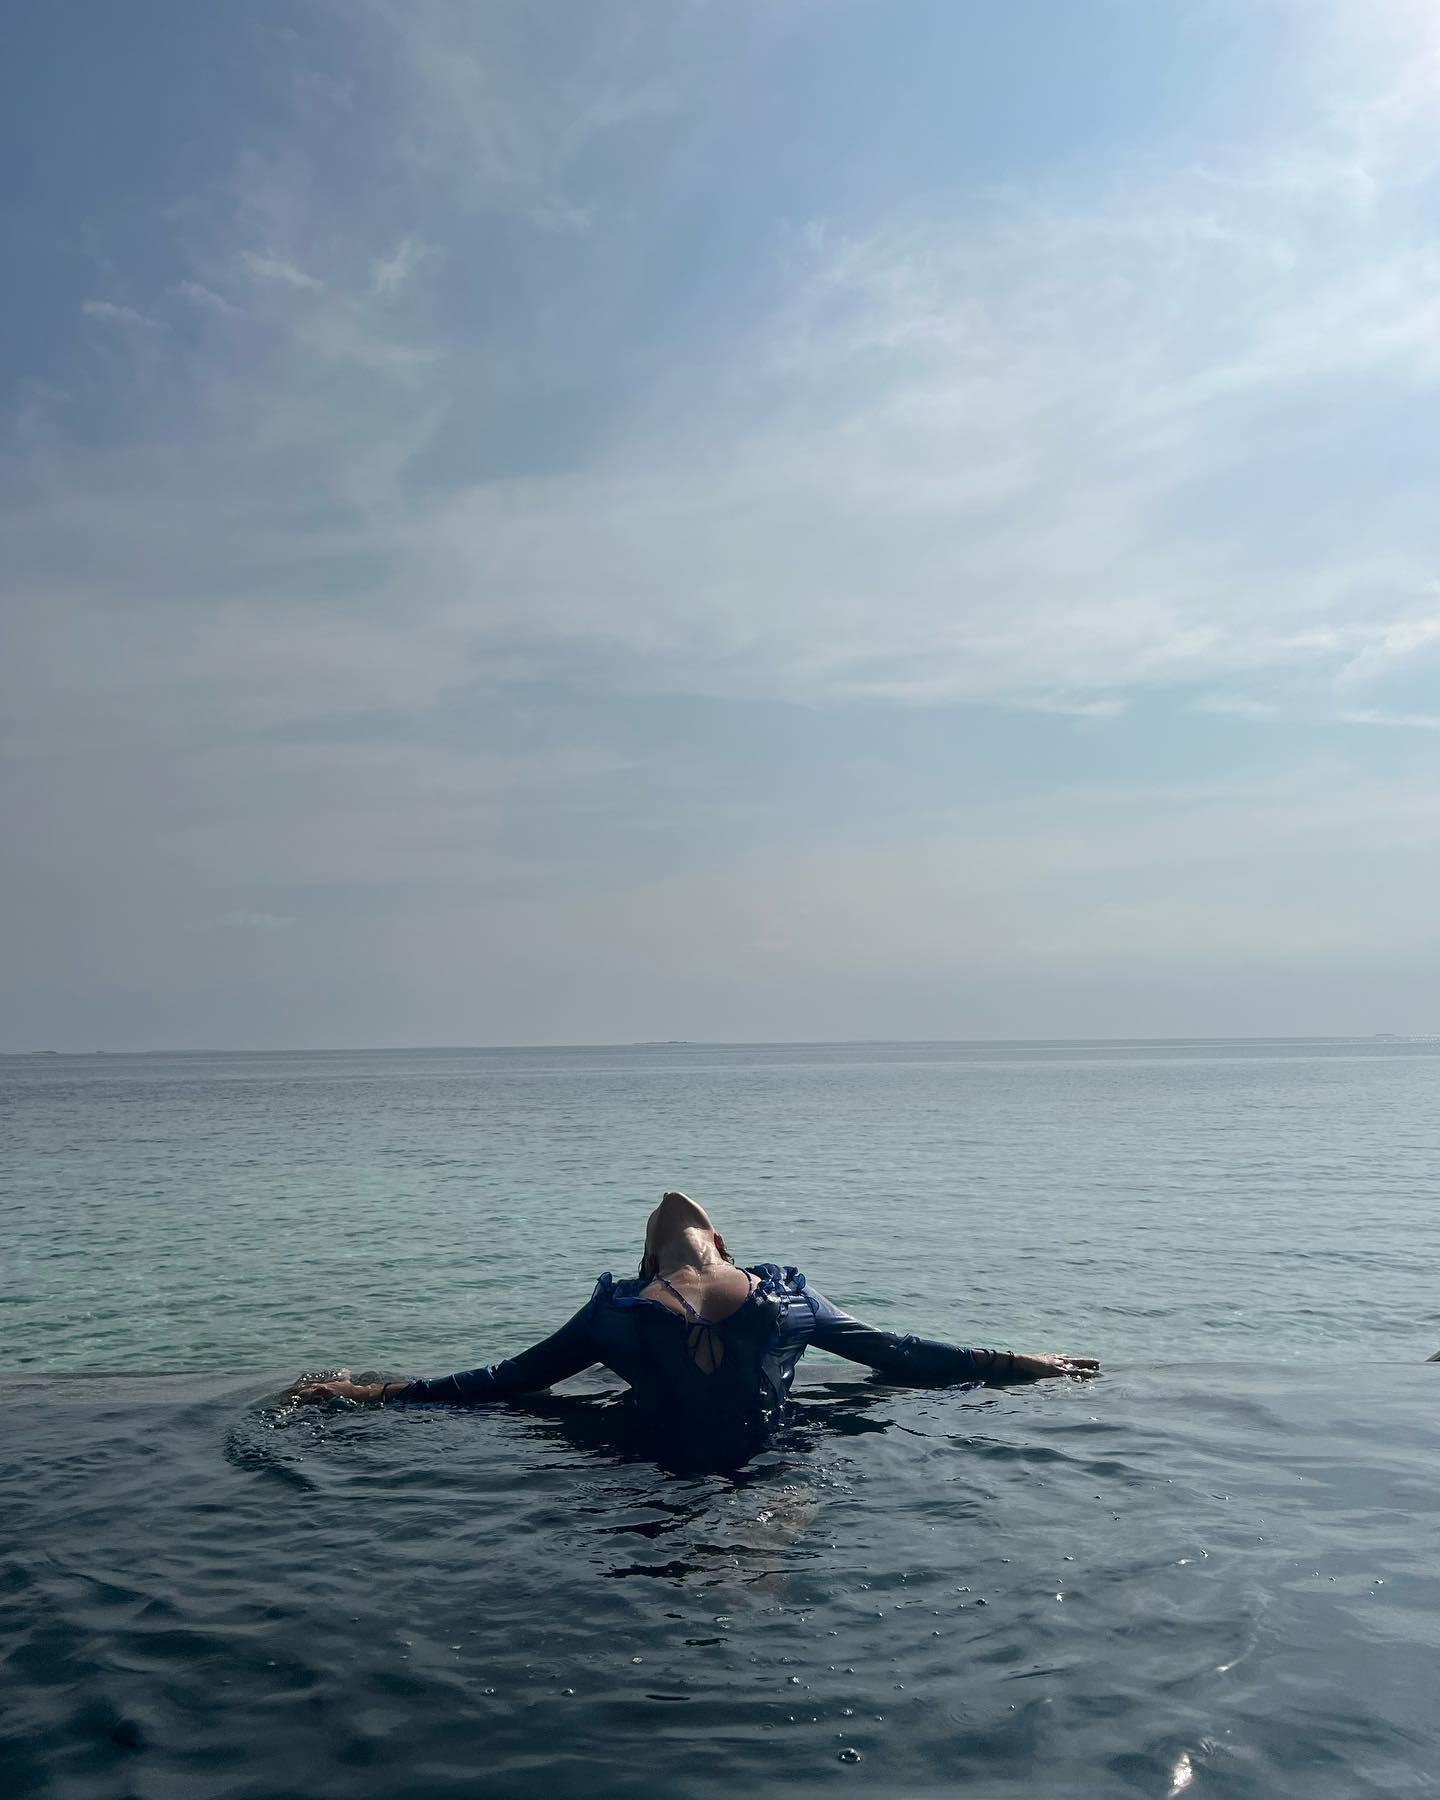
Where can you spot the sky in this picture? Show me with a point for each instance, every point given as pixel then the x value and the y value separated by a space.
pixel 719 521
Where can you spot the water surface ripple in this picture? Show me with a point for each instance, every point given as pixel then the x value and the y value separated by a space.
pixel 1220 1578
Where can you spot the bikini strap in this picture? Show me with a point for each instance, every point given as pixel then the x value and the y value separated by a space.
pixel 698 1317
pixel 670 1288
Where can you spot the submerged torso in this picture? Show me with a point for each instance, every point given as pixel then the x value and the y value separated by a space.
pixel 710 1387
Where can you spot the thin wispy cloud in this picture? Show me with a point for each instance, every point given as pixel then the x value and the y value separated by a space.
pixel 1237 706
pixel 275 268
pixel 203 296
pixel 1403 721
pixel 112 314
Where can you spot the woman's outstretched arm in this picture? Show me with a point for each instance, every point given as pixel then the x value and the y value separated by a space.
pixel 928 1362
pixel 564 1353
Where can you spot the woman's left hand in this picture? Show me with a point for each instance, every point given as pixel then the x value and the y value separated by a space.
pixel 1037 1368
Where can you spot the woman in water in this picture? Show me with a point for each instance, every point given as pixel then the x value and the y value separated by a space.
pixel 709 1350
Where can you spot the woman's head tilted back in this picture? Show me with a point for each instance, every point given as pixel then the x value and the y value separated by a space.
pixel 679 1230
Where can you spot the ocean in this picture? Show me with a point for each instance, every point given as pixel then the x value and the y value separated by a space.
pixel 1213 1571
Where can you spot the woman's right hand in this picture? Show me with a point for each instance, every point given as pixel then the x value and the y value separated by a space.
pixel 338 1386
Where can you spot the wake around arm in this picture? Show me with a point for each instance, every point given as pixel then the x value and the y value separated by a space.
pixel 929 1362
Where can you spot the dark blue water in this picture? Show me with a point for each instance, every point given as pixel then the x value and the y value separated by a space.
pixel 1209 1580
pixel 1213 1572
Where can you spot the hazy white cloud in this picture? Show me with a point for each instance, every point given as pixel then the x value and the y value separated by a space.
pixel 1391 645
pixel 1177 900
pixel 294 815
pixel 956 462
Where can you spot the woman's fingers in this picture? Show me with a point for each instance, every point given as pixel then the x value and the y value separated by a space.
pixel 1054 1362
pixel 304 1383
pixel 307 1388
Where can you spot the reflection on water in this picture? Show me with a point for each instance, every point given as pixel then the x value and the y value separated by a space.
pixel 1171 1582
pixel 761 1509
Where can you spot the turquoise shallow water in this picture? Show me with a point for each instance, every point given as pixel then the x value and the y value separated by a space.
pixel 1211 1573
pixel 421 1209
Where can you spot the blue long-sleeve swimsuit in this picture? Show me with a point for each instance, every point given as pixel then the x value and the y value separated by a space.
pixel 702 1388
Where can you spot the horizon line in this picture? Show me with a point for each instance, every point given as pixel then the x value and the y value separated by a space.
pixel 1341 1037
